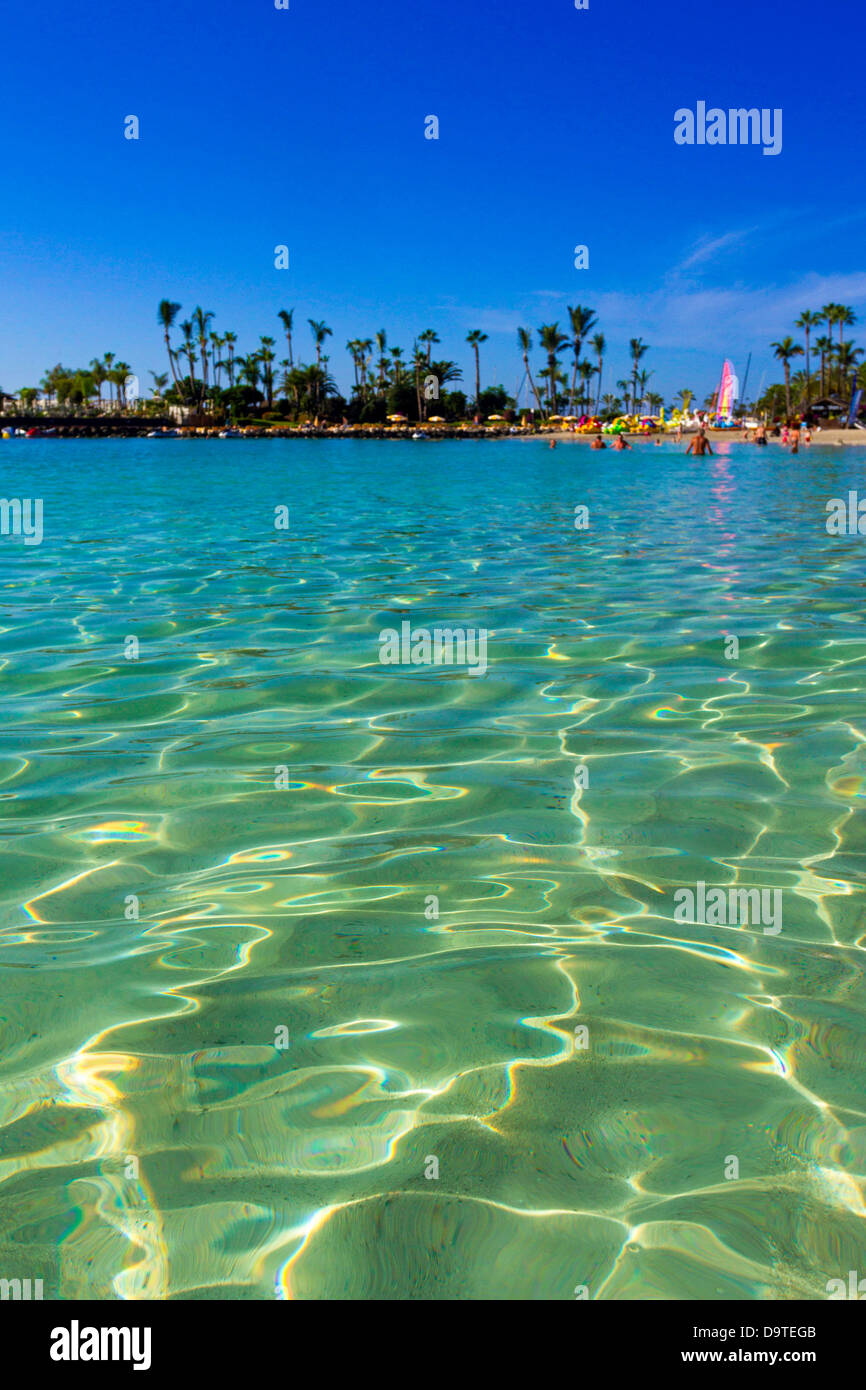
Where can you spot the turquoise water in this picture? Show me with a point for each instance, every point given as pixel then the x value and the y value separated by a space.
pixel 237 1040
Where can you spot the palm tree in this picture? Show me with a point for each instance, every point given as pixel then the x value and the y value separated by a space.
pixel 266 358
pixel 365 348
pixel 160 381
pixel 624 387
pixel 586 371
pixel 446 371
pixel 599 344
pixel 397 354
pixel 118 375
pixel 312 383
pixel 829 315
pixel 475 338
pixel 638 348
pixel 98 371
pixel 229 339
pixel 419 363
pixel 582 320
pixel 286 316
pixel 845 317
pixel 166 315
pixel 552 342
pixel 353 347
pixel 201 319
pixel 824 345
pixel 216 344
pixel 108 362
pixel 686 396
pixel 383 363
pixel 320 332
pixel 188 349
pixel 428 337
pixel 249 370
pixel 807 321
pixel 784 351
pixel 524 339
pixel 847 358
pixel 612 404
pixel 644 379
pixel 51 381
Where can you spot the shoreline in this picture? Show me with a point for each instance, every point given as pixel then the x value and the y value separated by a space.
pixel 133 429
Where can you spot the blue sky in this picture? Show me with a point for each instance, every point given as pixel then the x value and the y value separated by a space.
pixel 305 127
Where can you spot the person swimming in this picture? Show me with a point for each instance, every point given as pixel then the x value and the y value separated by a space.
pixel 598 443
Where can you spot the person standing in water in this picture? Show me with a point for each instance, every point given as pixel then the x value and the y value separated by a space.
pixel 700 444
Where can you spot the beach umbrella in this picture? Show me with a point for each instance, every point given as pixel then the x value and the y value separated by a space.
pixel 437 419
pixel 496 417
pixel 397 417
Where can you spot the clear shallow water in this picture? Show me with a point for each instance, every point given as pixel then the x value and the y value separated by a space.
pixel 156 1142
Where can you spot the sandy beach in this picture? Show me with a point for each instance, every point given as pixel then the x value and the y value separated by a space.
pixel 856 438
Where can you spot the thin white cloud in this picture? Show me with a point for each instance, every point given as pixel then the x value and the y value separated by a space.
pixel 709 248
pixel 701 318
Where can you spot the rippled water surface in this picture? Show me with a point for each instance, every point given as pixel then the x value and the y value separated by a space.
pixel 237 1041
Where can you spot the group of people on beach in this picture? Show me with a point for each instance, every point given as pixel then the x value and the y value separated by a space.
pixel 700 444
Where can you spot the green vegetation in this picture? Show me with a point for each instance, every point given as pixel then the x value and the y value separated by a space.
pixel 208 376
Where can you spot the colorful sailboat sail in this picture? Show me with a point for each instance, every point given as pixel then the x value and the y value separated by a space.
pixel 728 392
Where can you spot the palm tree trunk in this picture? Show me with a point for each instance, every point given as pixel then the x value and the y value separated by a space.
pixel 531 382
pixel 808 374
pixel 171 362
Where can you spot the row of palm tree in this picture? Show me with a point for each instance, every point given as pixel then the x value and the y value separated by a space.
pixel 202 357
pixel 838 360
pixel 62 385
pixel 203 361
pixel 198 361
pixel 553 342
